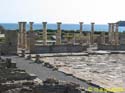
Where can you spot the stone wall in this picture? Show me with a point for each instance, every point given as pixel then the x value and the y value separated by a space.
pixel 112 47
pixel 59 49
pixel 10 44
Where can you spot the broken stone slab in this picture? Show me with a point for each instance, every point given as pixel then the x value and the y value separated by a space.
pixel 37 59
pixel 28 57
pixel 10 64
pixel 13 65
pixel 66 70
pixel 22 53
pixel 33 76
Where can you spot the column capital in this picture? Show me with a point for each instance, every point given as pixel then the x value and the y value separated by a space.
pixel 19 22
pixel 24 23
pixel 31 22
pixel 44 22
pixel 81 22
pixel 59 22
pixel 92 23
pixel 109 23
pixel 117 24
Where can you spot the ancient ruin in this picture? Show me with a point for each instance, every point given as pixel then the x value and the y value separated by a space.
pixel 78 54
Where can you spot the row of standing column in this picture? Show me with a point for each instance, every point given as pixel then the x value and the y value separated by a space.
pixel 23 35
pixel 24 42
pixel 113 34
pixel 58 34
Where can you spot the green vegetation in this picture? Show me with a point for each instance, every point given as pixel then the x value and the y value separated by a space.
pixel 66 34
pixel 2 39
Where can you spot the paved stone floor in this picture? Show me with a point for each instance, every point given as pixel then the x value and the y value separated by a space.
pixel 92 67
pixel 107 71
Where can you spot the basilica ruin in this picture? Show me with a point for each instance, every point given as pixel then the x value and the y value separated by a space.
pixel 78 56
pixel 26 40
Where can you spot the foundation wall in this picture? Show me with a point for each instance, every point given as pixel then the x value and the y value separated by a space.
pixel 9 47
pixel 112 47
pixel 59 49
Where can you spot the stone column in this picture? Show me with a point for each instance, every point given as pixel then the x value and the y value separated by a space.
pixel 24 36
pixel 103 38
pixel 81 27
pixel 30 38
pixel 58 35
pixel 113 35
pixel 32 41
pixel 92 33
pixel 44 33
pixel 31 26
pixel 88 38
pixel 18 41
pixel 116 34
pixel 81 33
pixel 19 35
pixel 74 38
pixel 19 23
pixel 110 33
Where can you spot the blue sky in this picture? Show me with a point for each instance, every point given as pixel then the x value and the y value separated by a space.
pixel 66 11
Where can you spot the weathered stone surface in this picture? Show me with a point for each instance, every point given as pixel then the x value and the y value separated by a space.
pixel 103 70
pixel 9 47
pixel 59 49
pixel 44 33
pixel 13 80
pixel 58 35
pixel 92 33
pixel 111 47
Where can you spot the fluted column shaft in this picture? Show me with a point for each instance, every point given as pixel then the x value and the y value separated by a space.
pixel 89 38
pixel 58 35
pixel 19 35
pixel 103 38
pixel 24 36
pixel 81 27
pixel 92 33
pixel 110 33
pixel 31 26
pixel 116 34
pixel 113 34
pixel 44 33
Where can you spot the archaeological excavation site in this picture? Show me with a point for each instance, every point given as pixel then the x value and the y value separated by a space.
pixel 59 61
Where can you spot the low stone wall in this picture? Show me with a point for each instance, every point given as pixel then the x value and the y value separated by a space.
pixel 59 49
pixel 8 50
pixel 9 46
pixel 111 47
